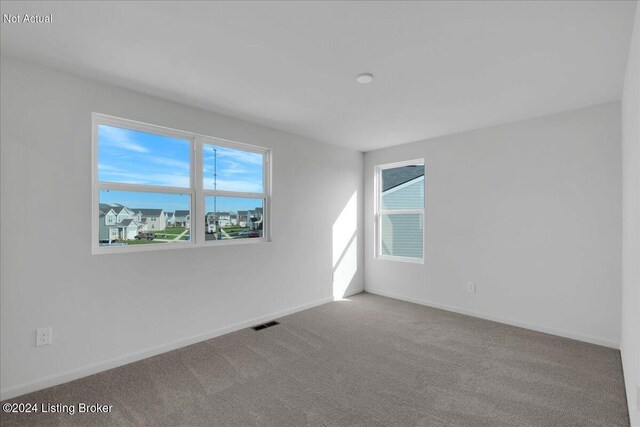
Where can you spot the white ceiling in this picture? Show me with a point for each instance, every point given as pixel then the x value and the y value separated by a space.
pixel 440 67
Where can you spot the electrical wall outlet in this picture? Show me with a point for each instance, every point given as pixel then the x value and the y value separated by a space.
pixel 43 336
pixel 471 287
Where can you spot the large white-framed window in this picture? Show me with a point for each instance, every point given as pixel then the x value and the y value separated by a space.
pixel 399 211
pixel 157 188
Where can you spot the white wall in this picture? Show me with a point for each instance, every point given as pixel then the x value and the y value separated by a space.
pixel 110 309
pixel 630 345
pixel 530 212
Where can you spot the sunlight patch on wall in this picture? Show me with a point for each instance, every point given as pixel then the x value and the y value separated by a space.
pixel 345 270
pixel 345 247
pixel 345 227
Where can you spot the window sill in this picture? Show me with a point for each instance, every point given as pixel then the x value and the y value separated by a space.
pixel 104 250
pixel 400 259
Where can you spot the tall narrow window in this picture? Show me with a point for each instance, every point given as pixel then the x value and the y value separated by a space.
pixel 400 211
pixel 155 188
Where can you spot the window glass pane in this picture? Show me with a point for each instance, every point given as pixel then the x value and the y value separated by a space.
pixel 136 218
pixel 232 170
pixel 403 188
pixel 401 235
pixel 133 157
pixel 229 218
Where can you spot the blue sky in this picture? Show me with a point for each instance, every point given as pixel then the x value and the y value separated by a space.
pixel 236 170
pixel 133 199
pixel 133 157
pixel 232 204
pixel 173 202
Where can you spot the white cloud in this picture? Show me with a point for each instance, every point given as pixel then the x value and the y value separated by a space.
pixel 229 154
pixel 171 163
pixel 107 168
pixel 166 179
pixel 234 185
pixel 119 138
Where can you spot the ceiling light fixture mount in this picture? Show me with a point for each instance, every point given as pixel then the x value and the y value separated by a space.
pixel 364 78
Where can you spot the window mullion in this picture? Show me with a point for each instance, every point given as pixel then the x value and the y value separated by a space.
pixel 401 211
pixel 221 142
pixel 101 185
pixel 197 202
pixel 222 193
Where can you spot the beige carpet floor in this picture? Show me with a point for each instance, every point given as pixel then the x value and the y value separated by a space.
pixel 369 361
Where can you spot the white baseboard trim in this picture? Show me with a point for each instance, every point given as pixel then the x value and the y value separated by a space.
pixel 350 294
pixel 559 332
pixel 633 390
pixel 94 368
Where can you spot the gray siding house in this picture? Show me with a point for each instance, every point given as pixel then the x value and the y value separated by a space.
pixel 154 219
pixel 117 222
pixel 182 218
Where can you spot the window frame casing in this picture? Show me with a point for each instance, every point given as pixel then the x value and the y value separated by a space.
pixel 378 212
pixel 196 189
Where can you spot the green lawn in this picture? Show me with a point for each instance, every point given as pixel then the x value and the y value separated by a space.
pixel 235 228
pixel 169 233
pixel 172 230
pixel 140 242
pixel 234 231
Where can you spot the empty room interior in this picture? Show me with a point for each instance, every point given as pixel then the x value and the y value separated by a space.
pixel 357 213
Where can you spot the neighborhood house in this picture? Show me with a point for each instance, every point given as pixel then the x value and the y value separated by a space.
pixel 154 219
pixel 181 219
pixel 251 219
pixel 118 222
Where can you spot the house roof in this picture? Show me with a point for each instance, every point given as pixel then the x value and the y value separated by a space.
pixel 106 207
pixel 182 213
pixel 397 176
pixel 123 223
pixel 147 212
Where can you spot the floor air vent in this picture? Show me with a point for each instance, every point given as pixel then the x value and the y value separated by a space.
pixel 265 325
